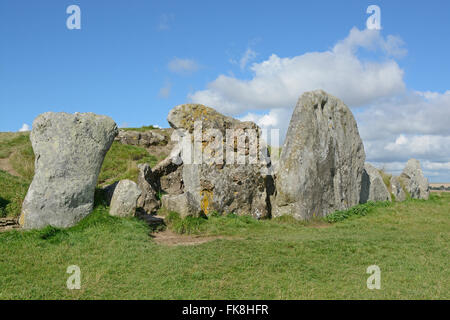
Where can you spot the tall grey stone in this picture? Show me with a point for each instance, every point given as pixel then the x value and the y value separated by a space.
pixel 69 151
pixel 230 185
pixel 125 198
pixel 322 159
pixel 372 186
pixel 415 182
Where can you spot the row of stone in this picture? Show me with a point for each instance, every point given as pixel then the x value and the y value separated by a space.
pixel 321 168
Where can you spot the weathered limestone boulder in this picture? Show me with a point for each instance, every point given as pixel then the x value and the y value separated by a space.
pixel 148 202
pixel 372 186
pixel 69 150
pixel 144 139
pixel 184 204
pixel 322 159
pixel 224 162
pixel 168 174
pixel 125 198
pixel 415 182
pixel 397 189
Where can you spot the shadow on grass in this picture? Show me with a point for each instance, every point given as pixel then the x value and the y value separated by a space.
pixel 3 204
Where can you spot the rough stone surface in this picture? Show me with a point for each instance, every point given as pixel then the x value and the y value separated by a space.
pixel 372 186
pixel 125 198
pixel 397 189
pixel 167 174
pixel 148 201
pixel 322 159
pixel 69 150
pixel 415 182
pixel 144 139
pixel 228 186
pixel 184 204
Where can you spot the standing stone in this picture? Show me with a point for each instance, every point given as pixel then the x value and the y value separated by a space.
pixel 125 198
pixel 148 201
pixel 322 159
pixel 398 189
pixel 415 182
pixel 227 186
pixel 69 151
pixel 372 186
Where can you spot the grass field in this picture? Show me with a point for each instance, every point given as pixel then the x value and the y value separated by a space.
pixel 278 259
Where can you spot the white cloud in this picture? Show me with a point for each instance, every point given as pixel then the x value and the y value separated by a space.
pixel 395 123
pixel 164 92
pixel 24 128
pixel 183 66
pixel 248 56
pixel 278 82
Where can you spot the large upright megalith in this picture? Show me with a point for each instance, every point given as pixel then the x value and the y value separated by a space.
pixel 69 151
pixel 322 159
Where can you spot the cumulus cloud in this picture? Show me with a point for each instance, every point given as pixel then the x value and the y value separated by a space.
pixel 24 128
pixel 183 66
pixel 395 123
pixel 277 82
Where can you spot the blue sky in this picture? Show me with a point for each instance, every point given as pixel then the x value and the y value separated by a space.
pixel 135 60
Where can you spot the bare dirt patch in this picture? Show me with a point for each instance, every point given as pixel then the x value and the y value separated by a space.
pixel 170 238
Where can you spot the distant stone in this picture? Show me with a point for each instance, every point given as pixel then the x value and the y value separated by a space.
pixel 415 182
pixel 322 159
pixel 148 201
pixel 398 189
pixel 144 139
pixel 372 186
pixel 124 199
pixel 69 151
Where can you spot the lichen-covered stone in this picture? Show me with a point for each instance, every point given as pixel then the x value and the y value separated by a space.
pixel 144 139
pixel 372 186
pixel 229 186
pixel 69 151
pixel 322 159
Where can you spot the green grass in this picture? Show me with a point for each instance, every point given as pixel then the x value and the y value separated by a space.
pixel 9 142
pixel 121 163
pixel 270 259
pixel 12 192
